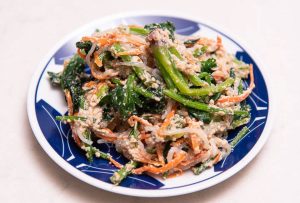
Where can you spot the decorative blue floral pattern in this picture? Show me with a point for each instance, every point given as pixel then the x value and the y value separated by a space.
pixel 59 135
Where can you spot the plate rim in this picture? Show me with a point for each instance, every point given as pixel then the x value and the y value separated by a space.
pixel 147 192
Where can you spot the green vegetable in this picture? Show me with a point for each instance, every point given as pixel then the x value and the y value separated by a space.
pixel 70 118
pixel 162 55
pixel 206 66
pixel 194 104
pixel 140 90
pixel 190 42
pixel 165 76
pixel 240 122
pixel 71 79
pixel 165 26
pixel 231 73
pixel 122 173
pixel 134 132
pixel 55 78
pixel 103 90
pixel 210 89
pixel 116 81
pixel 86 46
pixel 199 52
pixel 193 78
pixel 239 136
pixel 199 168
pixel 216 96
pixel 200 115
pixel 240 88
pixel 206 76
pixel 139 31
pixel 123 99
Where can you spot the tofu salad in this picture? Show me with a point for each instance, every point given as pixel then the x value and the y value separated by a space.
pixel 166 101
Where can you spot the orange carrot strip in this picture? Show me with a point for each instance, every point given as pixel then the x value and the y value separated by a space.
pixel 216 159
pixel 172 164
pixel 115 163
pixel 69 102
pixel 106 134
pixel 159 151
pixel 195 143
pixel 178 172
pixel 131 121
pixel 167 120
pixel 242 96
pixel 80 54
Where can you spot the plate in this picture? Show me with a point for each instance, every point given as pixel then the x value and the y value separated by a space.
pixel 44 103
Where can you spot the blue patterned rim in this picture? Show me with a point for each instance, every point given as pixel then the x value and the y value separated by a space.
pixel 57 135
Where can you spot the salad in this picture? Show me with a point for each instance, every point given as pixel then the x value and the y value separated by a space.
pixel 166 101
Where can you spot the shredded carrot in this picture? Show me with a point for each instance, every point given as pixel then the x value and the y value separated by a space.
pixel 216 159
pixel 97 59
pixel 106 134
pixel 159 151
pixel 193 159
pixel 178 142
pixel 131 121
pixel 195 143
pixel 69 102
pixel 218 75
pixel 144 135
pixel 103 75
pixel 167 120
pixel 178 172
pixel 242 96
pixel 219 42
pixel 80 54
pixel 172 164
pixel 90 84
pixel 109 39
pixel 115 163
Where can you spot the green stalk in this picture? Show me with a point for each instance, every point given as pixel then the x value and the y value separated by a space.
pixel 194 104
pixel 193 78
pixel 240 122
pixel 103 90
pixel 139 31
pixel 162 55
pixel 140 90
pixel 70 118
pixel 122 173
pixel 210 90
pixel 239 136
pixel 165 76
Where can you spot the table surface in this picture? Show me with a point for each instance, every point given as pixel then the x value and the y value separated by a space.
pixel 28 30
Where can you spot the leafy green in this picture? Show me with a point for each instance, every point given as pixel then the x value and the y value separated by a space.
pixel 86 46
pixel 165 26
pixel 206 66
pixel 123 99
pixel 134 132
pixel 72 79
pixel 190 42
pixel 199 52
pixel 200 115
pixel 55 78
